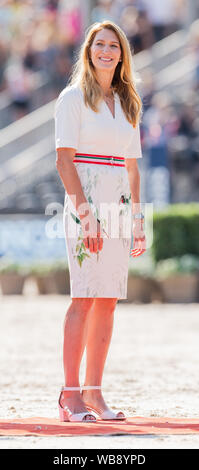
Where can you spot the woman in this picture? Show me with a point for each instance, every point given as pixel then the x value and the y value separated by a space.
pixel 97 143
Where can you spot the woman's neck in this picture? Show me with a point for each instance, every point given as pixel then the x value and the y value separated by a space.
pixel 105 83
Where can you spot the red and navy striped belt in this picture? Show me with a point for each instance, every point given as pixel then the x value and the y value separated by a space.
pixel 99 159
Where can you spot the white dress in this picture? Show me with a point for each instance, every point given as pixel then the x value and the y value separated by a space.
pixel 100 134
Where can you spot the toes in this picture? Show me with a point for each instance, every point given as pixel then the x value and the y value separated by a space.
pixel 120 414
pixel 89 417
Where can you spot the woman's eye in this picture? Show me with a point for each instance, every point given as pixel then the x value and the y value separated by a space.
pixel 100 44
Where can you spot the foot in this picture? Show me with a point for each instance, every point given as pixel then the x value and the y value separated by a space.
pixel 74 402
pixel 94 399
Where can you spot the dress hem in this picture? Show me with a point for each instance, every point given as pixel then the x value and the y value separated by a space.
pixel 98 297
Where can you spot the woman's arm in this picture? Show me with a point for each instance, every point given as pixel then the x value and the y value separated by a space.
pixel 69 177
pixel 72 184
pixel 134 183
pixel 139 241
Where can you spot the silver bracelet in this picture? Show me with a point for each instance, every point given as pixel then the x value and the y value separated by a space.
pixel 139 215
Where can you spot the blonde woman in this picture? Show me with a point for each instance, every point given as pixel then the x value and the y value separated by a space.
pixel 97 142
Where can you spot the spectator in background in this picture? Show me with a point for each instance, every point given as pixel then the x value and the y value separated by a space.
pixel 156 137
pixel 194 47
pixel 3 61
pixel 163 15
pixel 51 5
pixel 187 118
pixel 145 29
pixel 19 85
pixel 40 36
pixel 43 47
pixel 104 10
pixel 137 28
pixel 128 22
pixel 69 20
pixel 155 142
pixel 62 65
pixel 148 88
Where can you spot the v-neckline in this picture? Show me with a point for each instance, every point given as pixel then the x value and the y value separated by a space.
pixel 113 117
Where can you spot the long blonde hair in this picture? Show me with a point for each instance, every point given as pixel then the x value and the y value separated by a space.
pixel 123 83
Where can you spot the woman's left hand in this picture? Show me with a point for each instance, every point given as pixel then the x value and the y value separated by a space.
pixel 139 239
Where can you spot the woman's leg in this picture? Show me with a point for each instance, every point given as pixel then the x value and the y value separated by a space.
pixel 73 348
pixel 99 333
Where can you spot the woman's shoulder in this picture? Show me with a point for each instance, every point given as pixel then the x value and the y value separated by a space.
pixel 70 99
pixel 71 92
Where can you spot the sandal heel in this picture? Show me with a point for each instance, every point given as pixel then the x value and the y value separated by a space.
pixel 62 414
pixel 66 415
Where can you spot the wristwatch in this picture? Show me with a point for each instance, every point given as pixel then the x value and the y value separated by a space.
pixel 139 215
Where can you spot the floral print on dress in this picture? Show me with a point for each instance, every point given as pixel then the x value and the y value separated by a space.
pixel 81 250
pixel 104 274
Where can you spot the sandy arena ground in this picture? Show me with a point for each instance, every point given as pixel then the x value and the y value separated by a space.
pixel 152 368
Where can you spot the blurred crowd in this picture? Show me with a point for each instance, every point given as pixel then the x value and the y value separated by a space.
pixel 36 36
pixel 170 142
pixel 44 35
pixel 144 21
pixel 170 132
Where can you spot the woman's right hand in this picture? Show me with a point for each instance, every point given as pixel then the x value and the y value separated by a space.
pixel 92 237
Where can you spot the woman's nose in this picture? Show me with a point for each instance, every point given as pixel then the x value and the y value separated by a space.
pixel 106 48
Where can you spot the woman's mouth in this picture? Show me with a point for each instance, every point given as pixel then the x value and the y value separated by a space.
pixel 105 59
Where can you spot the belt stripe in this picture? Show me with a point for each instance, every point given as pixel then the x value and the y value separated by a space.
pixel 116 161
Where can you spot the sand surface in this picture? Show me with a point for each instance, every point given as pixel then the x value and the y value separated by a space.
pixel 152 368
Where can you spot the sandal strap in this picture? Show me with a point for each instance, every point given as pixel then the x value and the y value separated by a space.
pixel 90 387
pixel 81 416
pixel 83 387
pixel 70 388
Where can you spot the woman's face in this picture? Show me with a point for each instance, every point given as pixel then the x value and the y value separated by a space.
pixel 105 51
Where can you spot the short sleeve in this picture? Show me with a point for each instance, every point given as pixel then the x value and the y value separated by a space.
pixel 133 149
pixel 67 118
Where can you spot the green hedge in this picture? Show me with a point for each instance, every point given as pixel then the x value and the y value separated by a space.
pixel 176 231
